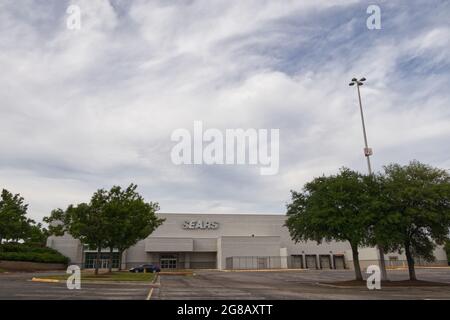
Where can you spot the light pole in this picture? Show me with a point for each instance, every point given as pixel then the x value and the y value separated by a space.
pixel 367 153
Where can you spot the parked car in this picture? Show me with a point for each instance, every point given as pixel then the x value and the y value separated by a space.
pixel 146 267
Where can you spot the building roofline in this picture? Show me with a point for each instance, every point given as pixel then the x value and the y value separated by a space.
pixel 221 214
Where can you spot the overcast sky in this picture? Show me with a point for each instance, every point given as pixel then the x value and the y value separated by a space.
pixel 92 108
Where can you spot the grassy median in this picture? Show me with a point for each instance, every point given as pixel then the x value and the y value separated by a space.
pixel 113 276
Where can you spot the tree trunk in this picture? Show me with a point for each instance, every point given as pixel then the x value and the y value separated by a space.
pixel 120 259
pixel 356 265
pixel 110 260
pixel 97 259
pixel 410 259
pixel 384 276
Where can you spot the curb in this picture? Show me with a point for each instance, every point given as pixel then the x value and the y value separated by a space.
pixel 44 280
pixel 382 287
pixel 175 273
pixel 335 286
pixel 139 283
pixel 263 270
pixel 406 268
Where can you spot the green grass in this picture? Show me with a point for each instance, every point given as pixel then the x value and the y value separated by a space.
pixel 2 270
pixel 114 276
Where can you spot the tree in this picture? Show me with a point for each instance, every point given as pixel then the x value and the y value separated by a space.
pixel 13 221
pixel 112 219
pixel 332 208
pixel 87 223
pixel 129 218
pixel 138 225
pixel 36 235
pixel 415 205
pixel 84 222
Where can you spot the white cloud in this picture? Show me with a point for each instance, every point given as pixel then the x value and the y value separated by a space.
pixel 96 107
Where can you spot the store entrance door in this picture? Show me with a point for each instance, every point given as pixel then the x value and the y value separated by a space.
pixel 168 263
pixel 104 263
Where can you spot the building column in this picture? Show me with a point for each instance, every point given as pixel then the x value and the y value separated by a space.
pixel 124 260
pixel 283 257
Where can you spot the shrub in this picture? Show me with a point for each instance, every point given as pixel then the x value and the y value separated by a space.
pixel 21 252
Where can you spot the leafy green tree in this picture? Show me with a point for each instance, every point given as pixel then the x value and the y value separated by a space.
pixel 414 201
pixel 332 208
pixel 87 223
pixel 36 235
pixel 58 222
pixel 129 218
pixel 84 221
pixel 13 221
pixel 112 219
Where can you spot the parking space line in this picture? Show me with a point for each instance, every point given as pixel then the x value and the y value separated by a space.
pixel 149 296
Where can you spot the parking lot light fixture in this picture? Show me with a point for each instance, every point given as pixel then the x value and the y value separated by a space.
pixel 367 153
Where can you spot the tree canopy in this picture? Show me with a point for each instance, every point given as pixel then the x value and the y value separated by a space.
pixel 405 208
pixel 115 219
pixel 414 206
pixel 332 208
pixel 128 217
pixel 14 224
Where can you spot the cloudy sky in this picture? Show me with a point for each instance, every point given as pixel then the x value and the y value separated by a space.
pixel 91 108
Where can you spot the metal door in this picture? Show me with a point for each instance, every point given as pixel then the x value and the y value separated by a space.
pixel 325 261
pixel 311 261
pixel 296 262
pixel 339 262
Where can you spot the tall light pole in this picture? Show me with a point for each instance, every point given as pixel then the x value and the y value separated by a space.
pixel 367 153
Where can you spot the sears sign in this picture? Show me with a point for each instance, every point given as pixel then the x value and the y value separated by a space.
pixel 200 224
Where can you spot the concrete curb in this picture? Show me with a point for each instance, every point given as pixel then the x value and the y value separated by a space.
pixel 339 287
pixel 264 270
pixel 176 273
pixel 44 280
pixel 139 283
pixel 406 268
pixel 382 287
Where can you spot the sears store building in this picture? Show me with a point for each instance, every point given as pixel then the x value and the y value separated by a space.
pixel 226 241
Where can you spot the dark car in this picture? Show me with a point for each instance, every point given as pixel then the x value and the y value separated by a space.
pixel 146 267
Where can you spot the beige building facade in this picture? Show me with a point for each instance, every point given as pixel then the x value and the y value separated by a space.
pixel 226 241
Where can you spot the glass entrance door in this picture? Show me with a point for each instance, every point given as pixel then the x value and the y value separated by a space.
pixel 104 263
pixel 168 263
pixel 90 259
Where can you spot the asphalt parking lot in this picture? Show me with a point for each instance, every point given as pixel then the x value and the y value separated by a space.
pixel 302 284
pixel 207 285
pixel 18 286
